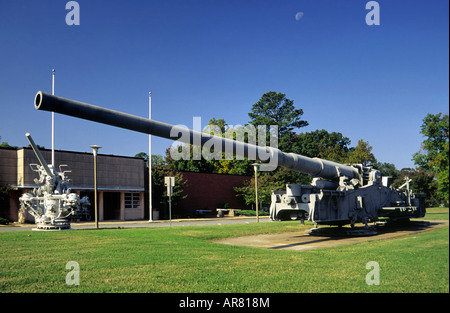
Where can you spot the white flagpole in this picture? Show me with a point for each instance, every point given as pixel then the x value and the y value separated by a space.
pixel 53 123
pixel 150 161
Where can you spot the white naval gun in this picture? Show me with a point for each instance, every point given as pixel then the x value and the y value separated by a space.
pixel 52 203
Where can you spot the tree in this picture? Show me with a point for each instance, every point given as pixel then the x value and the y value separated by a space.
pixel 159 191
pixel 222 165
pixel 388 169
pixel 142 155
pixel 5 144
pixel 223 126
pixel 362 154
pixel 322 144
pixel 335 153
pixel 186 162
pixel 157 159
pixel 275 109
pixel 268 182
pixel 434 153
pixel 422 181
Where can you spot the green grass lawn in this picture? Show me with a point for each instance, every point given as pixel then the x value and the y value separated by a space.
pixel 183 259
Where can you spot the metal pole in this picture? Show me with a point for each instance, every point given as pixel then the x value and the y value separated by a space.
pixel 255 166
pixel 95 189
pixel 169 182
pixel 150 161
pixel 53 123
pixel 170 207
pixel 94 151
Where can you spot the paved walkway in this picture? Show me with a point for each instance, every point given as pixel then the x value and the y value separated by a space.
pixel 146 223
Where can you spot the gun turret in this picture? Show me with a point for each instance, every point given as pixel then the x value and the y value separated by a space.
pixel 350 193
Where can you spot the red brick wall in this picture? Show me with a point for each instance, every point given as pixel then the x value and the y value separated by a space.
pixel 207 191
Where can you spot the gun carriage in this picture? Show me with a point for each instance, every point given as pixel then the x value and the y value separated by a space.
pixel 339 194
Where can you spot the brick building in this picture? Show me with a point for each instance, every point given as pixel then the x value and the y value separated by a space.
pixel 210 191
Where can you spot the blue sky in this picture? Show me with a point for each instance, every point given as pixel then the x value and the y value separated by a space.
pixel 216 59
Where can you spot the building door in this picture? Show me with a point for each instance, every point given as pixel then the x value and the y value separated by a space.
pixel 111 205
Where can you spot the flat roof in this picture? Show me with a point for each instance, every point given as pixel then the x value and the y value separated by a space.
pixel 74 152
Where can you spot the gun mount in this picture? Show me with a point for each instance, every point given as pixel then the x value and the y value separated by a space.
pixel 52 204
pixel 339 194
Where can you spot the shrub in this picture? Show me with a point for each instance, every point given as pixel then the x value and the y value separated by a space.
pixel 252 213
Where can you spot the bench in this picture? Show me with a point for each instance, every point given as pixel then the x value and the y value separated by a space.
pixel 228 212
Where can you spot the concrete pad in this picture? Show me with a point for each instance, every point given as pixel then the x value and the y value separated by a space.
pixel 302 241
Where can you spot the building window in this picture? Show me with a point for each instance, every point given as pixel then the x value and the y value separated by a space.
pixel 132 200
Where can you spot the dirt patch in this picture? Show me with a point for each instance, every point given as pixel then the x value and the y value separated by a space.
pixel 304 241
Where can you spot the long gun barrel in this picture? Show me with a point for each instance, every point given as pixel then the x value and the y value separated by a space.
pixel 313 166
pixel 39 155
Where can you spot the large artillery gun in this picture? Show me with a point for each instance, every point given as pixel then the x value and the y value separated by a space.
pixel 52 203
pixel 339 194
